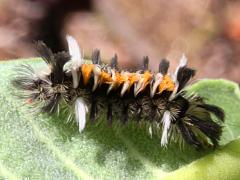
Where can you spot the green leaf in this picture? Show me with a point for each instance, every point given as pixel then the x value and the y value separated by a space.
pixel 42 147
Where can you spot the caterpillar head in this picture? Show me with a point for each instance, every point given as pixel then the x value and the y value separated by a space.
pixel 44 88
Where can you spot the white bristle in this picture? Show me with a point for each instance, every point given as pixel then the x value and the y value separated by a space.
pixel 76 57
pixel 80 113
pixel 166 120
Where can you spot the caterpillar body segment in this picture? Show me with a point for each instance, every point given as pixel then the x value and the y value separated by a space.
pixel 157 98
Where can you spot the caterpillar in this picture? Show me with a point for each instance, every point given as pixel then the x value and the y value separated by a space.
pixel 157 98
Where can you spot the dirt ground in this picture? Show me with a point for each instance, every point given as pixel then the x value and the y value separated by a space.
pixel 207 31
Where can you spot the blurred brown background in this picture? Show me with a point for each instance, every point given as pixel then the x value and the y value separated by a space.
pixel 207 31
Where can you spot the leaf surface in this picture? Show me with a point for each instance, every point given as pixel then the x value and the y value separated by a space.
pixel 42 147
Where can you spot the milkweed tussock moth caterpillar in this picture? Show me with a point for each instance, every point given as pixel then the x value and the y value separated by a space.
pixel 157 98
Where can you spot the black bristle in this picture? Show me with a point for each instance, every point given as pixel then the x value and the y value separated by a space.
pixel 218 112
pixel 57 75
pixel 24 78
pixel 139 114
pixel 93 110
pixel 125 114
pixel 44 52
pixel 96 58
pixel 163 66
pixel 52 104
pixel 211 129
pixel 114 62
pixel 145 63
pixel 188 135
pixel 180 103
pixel 55 61
pixel 109 114
pixel 183 76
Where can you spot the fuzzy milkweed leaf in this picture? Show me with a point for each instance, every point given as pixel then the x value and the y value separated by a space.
pixel 41 147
